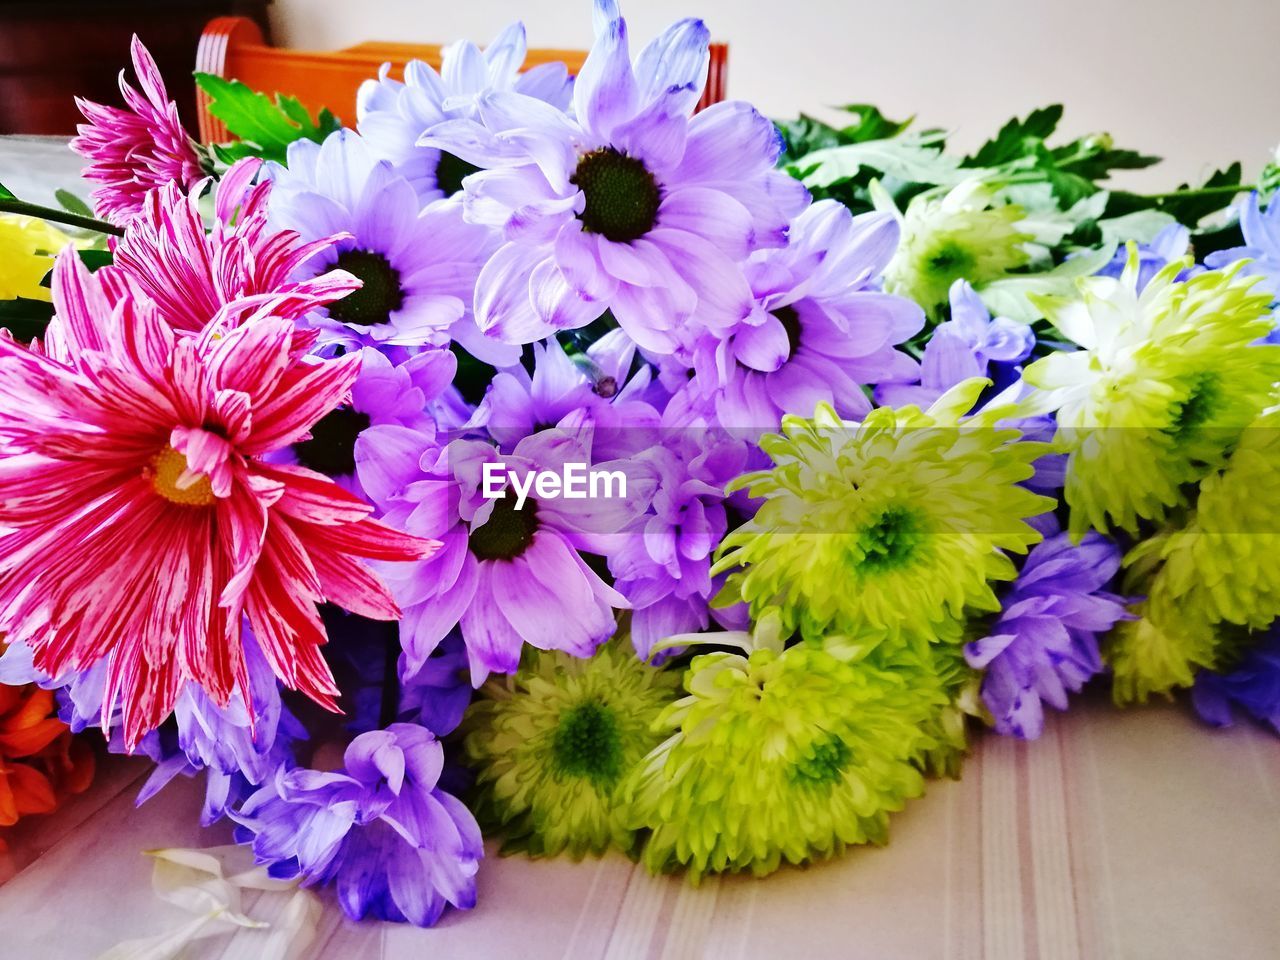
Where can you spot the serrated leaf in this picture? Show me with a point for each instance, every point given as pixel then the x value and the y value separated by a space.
pixel 266 128
pixel 871 124
pixel 905 158
pixel 72 204
pixel 25 319
pixel 1017 138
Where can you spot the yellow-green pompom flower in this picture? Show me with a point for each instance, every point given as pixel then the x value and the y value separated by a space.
pixel 894 527
pixel 779 755
pixel 552 744
pixel 1168 377
pixel 27 249
pixel 1208 579
pixel 961 235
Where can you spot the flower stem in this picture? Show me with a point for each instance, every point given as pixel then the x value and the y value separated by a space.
pixel 1219 190
pixel 59 216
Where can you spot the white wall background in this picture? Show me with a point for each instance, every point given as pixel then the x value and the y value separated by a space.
pixel 1194 81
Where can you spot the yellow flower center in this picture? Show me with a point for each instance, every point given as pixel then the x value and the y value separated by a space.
pixel 168 474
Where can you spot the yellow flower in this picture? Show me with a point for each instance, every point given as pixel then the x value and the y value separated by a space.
pixel 27 249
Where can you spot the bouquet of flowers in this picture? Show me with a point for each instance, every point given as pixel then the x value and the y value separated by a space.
pixel 618 476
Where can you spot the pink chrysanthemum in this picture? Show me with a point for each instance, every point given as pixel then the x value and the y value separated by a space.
pixel 133 151
pixel 140 520
pixel 192 274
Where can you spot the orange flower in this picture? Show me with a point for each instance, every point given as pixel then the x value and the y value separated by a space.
pixel 40 762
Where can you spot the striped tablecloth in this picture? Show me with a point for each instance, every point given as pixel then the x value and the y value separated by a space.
pixel 1120 834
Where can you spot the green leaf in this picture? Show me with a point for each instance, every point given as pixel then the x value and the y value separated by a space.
pixel 69 202
pixel 266 128
pixel 1009 297
pixel 907 158
pixel 1018 138
pixel 871 124
pixel 6 193
pixel 25 319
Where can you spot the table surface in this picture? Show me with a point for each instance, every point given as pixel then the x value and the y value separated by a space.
pixel 1119 834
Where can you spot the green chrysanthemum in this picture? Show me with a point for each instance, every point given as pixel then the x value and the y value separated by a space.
pixel 1215 573
pixel 958 236
pixel 893 527
pixel 780 755
pixel 552 744
pixel 1167 379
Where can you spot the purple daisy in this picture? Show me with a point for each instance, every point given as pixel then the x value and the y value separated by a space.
pixel 417 267
pixel 518 403
pixel 1261 229
pixel 1253 686
pixel 664 568
pixel 392 116
pixel 1045 641
pixel 509 573
pixel 819 328
pixel 239 750
pixel 971 344
pixel 630 205
pixel 395 845
pixel 437 694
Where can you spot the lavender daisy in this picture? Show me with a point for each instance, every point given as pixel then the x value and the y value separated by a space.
pixel 971 344
pixel 417 268
pixel 395 845
pixel 819 328
pixel 393 115
pixel 518 403
pixel 1261 229
pixel 629 205
pixel 1045 642
pixel 510 572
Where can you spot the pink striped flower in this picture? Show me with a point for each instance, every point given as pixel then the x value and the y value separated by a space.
pixel 135 150
pixel 139 520
pixel 193 275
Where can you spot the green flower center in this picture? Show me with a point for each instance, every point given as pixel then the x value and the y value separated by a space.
pixel 622 197
pixel 825 766
pixel 508 531
pixel 790 321
pixel 892 540
pixel 332 447
pixel 951 261
pixel 380 296
pixel 450 170
pixel 1199 407
pixel 588 744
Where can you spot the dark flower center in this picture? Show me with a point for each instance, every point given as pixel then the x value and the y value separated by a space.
pixel 1199 407
pixel 587 743
pixel 508 531
pixel 622 197
pixel 332 447
pixel 450 170
pixel 606 387
pixel 826 764
pixel 892 540
pixel 380 296
pixel 790 321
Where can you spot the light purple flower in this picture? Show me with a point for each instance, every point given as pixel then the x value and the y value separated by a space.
pixel 392 116
pixel 1171 243
pixel 1253 686
pixel 508 576
pixel 629 205
pixel 437 694
pixel 1261 231
pixel 664 567
pixel 395 845
pixel 237 751
pixel 971 344
pixel 518 404
pixel 418 266
pixel 1045 642
pixel 818 330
